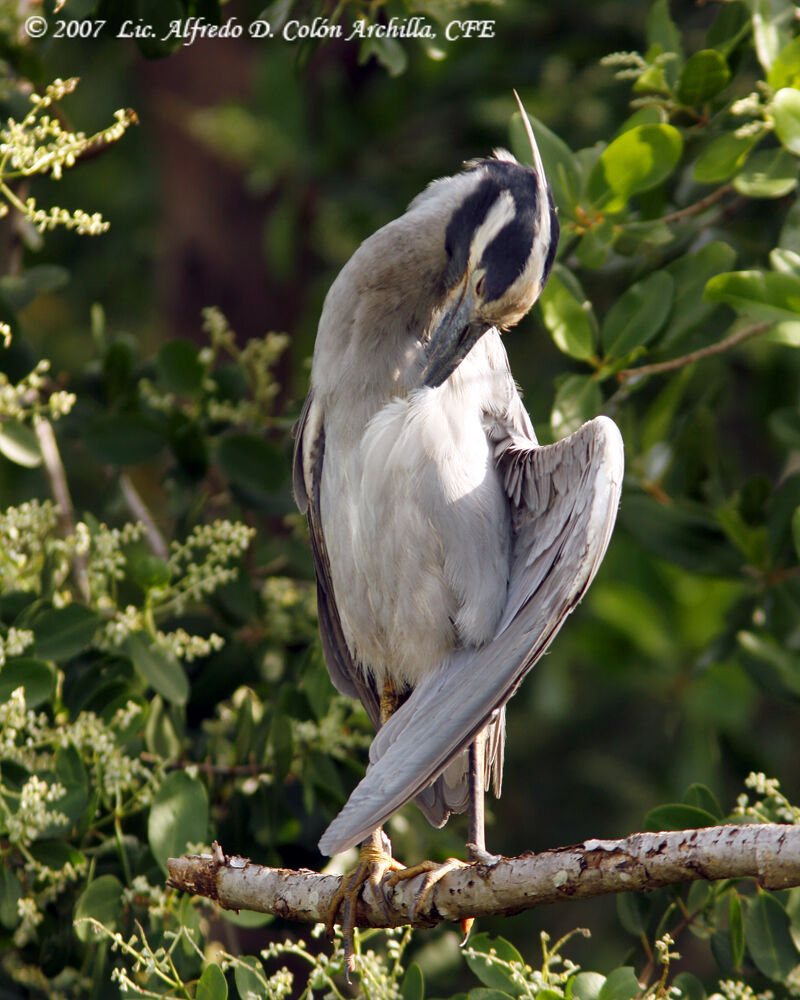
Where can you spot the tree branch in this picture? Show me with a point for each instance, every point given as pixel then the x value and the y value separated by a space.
pixel 57 478
pixel 768 852
pixel 139 509
pixel 698 206
pixel 660 367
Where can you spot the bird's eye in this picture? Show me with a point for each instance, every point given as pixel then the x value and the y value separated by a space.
pixel 480 286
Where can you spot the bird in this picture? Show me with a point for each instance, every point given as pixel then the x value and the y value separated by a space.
pixel 449 545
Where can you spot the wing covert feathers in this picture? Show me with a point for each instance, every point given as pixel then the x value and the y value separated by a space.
pixel 309 452
pixel 564 498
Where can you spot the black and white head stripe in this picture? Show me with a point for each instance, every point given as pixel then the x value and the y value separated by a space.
pixel 507 225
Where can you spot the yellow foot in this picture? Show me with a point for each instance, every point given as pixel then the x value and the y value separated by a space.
pixel 374 861
pixel 433 873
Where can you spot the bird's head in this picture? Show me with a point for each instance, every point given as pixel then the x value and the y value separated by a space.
pixel 500 243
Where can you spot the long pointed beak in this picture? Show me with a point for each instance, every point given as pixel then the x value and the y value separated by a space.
pixel 453 337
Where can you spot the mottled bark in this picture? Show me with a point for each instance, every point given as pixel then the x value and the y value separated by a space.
pixel 769 853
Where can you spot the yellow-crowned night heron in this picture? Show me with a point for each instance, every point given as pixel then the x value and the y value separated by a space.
pixel 449 546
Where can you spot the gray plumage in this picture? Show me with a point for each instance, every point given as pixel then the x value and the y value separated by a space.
pixel 449 546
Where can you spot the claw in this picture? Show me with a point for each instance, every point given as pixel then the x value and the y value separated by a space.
pixel 433 873
pixel 375 860
pixel 374 863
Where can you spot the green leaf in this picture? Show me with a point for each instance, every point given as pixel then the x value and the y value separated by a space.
pixel 124 439
pixel 592 250
pixel 118 367
pixel 787 333
pixel 768 936
pixel 784 424
pixel 62 633
pixel 699 897
pixel 180 369
pixel 494 976
pixel 780 508
pixel 722 158
pixel 795 531
pixel 568 319
pixel 578 399
pixel 769 173
pixel 71 773
pixel 699 796
pixel 55 854
pixel 705 74
pixel 101 900
pixel 147 570
pixel 736 930
pixel 785 70
pixel 250 978
pixel 212 985
pixel 690 274
pixel 662 32
pixel 156 666
pixel 247 918
pixel 19 444
pixel 36 676
pixel 482 993
pixel 621 984
pixel 632 911
pixel 785 113
pixel 730 26
pixel 413 985
pixel 252 463
pixel 178 816
pixel 635 161
pixel 19 290
pixel 10 892
pixel 638 315
pixel 681 533
pixel 280 737
pixel 785 261
pixel 388 51
pixel 655 76
pixel 766 649
pixel 160 734
pixel 690 986
pixel 677 816
pixel 562 167
pixel 587 985
pixel 765 295
pixel 766 32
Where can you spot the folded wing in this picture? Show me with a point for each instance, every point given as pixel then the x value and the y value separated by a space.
pixel 564 501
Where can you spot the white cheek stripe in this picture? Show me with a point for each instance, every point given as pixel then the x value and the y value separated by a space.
pixel 499 215
pixel 542 238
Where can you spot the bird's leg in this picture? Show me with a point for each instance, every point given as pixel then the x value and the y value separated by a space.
pixel 477 766
pixel 477 842
pixel 477 837
pixel 374 861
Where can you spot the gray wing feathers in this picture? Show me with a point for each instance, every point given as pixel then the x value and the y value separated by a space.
pixel 449 793
pixel 565 500
pixel 309 451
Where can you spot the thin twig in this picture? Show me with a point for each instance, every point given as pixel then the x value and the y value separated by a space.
pixel 206 767
pixel 140 511
pixel 698 206
pixel 659 367
pixel 57 478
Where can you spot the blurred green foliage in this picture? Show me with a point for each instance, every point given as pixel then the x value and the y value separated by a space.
pixel 161 682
